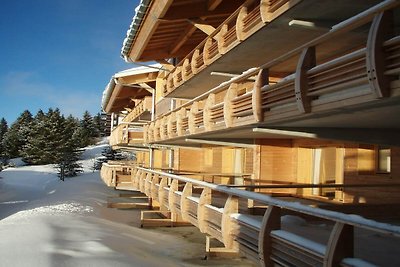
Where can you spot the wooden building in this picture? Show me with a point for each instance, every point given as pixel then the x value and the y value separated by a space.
pixel 262 109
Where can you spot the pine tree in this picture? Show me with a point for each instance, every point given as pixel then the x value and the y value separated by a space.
pixel 16 136
pixel 86 132
pixel 3 131
pixel 68 153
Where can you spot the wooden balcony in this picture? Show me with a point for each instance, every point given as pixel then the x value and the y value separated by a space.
pixel 356 88
pixel 257 28
pixel 126 135
pixel 141 112
pixel 220 211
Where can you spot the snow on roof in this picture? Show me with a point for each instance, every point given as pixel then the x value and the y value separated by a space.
pixel 138 70
pixel 140 12
pixel 129 72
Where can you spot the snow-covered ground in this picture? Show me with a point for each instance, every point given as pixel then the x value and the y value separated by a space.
pixel 47 222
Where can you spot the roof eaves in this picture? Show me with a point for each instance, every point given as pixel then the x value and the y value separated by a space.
pixel 140 12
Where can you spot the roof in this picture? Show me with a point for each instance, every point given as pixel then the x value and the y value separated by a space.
pixel 128 84
pixel 173 29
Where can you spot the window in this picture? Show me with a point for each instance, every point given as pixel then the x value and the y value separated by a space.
pixel 383 160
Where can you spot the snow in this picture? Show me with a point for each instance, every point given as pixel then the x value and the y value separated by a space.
pixel 298 240
pixel 252 220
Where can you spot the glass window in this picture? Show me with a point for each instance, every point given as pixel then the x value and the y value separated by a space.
pixel 383 159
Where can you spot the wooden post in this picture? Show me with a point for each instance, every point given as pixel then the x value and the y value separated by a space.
pixel 193 62
pixel 271 221
pixel 163 183
pixel 205 198
pixel 381 28
pixel 231 206
pixel 340 244
pixel 230 94
pixel 221 39
pixel 179 118
pixel 307 61
pixel 210 102
pixel 185 73
pixel 154 182
pixel 240 34
pixel 187 191
pixel 191 116
pixel 171 196
pixel 256 101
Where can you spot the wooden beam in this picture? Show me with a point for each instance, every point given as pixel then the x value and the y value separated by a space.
pixel 218 143
pixel 201 9
pixel 213 4
pixel 202 26
pixel 166 65
pixel 181 40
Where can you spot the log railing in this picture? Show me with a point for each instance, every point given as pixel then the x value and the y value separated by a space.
pixel 248 19
pixel 143 106
pixel 355 77
pixel 266 239
pixel 125 134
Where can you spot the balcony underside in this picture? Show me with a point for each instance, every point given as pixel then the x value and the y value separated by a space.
pixel 276 38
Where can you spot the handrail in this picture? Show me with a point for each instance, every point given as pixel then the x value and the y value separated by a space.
pixel 353 220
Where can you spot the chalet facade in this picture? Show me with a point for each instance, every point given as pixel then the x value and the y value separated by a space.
pixel 259 110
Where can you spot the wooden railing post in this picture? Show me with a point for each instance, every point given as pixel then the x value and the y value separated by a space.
pixel 256 101
pixel 205 198
pixel 207 112
pixel 187 191
pixel 307 61
pixel 228 108
pixel 171 195
pixel 163 183
pixel 271 221
pixel 240 34
pixel 340 244
pixel 231 206
pixel 179 117
pixel 154 182
pixel 193 110
pixel 381 29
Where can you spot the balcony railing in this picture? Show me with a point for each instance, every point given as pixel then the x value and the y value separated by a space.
pixel 218 211
pixel 144 106
pixel 126 134
pixel 247 20
pixel 361 75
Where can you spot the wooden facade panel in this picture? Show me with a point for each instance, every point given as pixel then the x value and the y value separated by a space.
pixel 190 160
pixel 143 158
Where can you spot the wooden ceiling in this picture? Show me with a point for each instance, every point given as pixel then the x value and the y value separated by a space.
pixel 173 28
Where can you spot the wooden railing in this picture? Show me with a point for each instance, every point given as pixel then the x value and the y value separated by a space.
pixel 360 75
pixel 217 210
pixel 125 134
pixel 243 23
pixel 142 107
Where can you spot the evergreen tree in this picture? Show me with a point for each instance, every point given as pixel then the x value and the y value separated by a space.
pixel 16 136
pixel 86 131
pixel 3 131
pixel 68 152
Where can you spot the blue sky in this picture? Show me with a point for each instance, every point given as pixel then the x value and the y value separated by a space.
pixel 59 53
